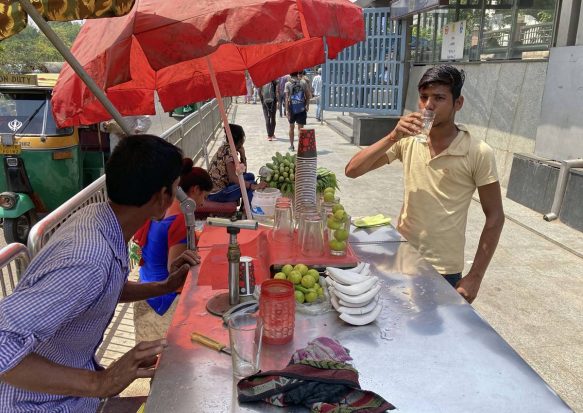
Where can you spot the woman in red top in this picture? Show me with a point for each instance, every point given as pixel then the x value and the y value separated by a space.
pixel 161 243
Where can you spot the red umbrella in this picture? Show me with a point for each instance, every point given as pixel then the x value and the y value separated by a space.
pixel 176 49
pixel 160 46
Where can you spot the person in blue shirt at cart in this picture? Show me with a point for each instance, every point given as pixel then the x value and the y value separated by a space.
pixel 54 321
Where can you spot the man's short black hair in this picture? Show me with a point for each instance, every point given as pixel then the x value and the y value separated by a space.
pixel 139 167
pixel 444 75
pixel 294 74
pixel 237 132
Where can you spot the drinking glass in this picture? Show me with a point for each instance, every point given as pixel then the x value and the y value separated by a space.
pixel 283 226
pixel 312 241
pixel 245 336
pixel 427 117
pixel 300 223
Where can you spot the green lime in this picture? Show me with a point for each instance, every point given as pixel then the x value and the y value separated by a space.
pixel 295 277
pixel 329 189
pixel 280 276
pixel 302 268
pixel 332 223
pixel 314 273
pixel 337 207
pixel 336 245
pixel 340 215
pixel 308 281
pixel 311 297
pixel 287 268
pixel 341 234
pixel 299 297
pixel 328 196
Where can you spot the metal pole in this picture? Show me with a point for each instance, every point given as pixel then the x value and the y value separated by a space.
pixel 562 187
pixel 66 53
pixel 229 138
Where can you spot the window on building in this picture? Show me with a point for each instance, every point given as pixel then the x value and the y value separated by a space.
pixel 494 30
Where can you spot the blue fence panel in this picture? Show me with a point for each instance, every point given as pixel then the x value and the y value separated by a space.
pixel 368 77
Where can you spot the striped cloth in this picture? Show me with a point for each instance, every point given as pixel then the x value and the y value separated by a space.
pixel 63 304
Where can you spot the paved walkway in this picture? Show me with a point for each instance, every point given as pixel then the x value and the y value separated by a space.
pixel 531 294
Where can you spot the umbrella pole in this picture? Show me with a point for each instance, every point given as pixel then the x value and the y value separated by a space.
pixel 229 137
pixel 66 53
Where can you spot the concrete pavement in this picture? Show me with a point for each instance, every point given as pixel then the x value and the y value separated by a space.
pixel 531 294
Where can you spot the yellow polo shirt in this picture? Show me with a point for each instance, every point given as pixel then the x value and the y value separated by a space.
pixel 438 193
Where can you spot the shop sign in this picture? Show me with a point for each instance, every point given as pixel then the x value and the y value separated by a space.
pixel 30 80
pixel 452 47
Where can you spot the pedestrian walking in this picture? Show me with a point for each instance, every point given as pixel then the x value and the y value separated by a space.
pixel 297 97
pixel 249 86
pixel 269 96
pixel 281 90
pixel 317 88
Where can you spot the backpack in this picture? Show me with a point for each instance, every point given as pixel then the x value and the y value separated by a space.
pixel 268 92
pixel 297 98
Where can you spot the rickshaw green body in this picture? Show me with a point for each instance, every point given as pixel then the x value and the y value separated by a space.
pixel 42 166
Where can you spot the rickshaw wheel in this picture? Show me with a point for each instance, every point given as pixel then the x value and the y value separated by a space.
pixel 17 229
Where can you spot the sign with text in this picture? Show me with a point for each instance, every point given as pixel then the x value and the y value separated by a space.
pixel 401 9
pixel 452 47
pixel 30 80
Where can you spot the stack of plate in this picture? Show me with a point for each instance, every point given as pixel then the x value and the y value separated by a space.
pixel 306 172
pixel 354 294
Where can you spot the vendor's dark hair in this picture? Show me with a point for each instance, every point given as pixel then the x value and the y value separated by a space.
pixel 237 132
pixel 444 75
pixel 194 176
pixel 139 167
pixel 294 74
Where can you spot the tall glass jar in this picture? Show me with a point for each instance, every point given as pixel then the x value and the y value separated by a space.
pixel 338 229
pixel 277 308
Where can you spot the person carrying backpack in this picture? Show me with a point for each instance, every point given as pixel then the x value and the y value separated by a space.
pixel 297 98
pixel 269 96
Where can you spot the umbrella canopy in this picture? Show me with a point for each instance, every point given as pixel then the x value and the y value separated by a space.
pixel 163 46
pixel 13 18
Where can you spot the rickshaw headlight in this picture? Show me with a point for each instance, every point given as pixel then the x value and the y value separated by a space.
pixel 8 200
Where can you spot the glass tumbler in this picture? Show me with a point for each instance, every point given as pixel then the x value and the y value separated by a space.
pixel 312 241
pixel 283 227
pixel 277 308
pixel 427 117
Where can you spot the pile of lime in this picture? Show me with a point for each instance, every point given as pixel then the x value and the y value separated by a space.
pixel 306 282
pixel 336 223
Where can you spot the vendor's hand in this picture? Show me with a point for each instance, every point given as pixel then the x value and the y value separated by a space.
pixel 409 125
pixel 468 286
pixel 137 363
pixel 179 269
pixel 260 185
pixel 241 169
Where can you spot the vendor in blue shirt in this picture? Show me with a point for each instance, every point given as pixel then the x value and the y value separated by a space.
pixel 53 322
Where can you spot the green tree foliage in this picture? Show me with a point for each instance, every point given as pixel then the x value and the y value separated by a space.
pixel 29 49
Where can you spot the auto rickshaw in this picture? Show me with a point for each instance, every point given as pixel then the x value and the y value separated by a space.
pixel 42 165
